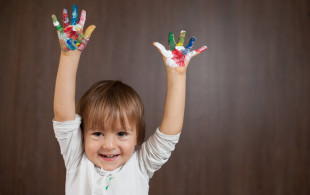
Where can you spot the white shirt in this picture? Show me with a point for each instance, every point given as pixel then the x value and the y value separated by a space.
pixel 85 178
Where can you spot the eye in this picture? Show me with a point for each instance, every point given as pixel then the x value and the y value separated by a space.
pixel 97 134
pixel 121 133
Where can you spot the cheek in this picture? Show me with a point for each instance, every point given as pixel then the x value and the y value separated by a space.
pixel 129 146
pixel 91 146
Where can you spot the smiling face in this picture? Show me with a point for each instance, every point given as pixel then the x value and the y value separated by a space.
pixel 111 147
pixel 112 123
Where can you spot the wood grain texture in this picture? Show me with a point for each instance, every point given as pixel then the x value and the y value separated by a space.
pixel 247 119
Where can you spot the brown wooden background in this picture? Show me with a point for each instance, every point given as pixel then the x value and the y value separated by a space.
pixel 247 121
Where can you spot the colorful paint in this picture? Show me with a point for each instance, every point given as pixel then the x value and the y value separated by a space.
pixel 109 181
pixel 181 38
pixel 202 49
pixel 74 15
pixel 56 23
pixel 190 44
pixel 87 35
pixel 171 41
pixel 71 37
pixel 65 18
pixel 178 56
pixel 82 18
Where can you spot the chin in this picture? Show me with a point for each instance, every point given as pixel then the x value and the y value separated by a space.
pixel 109 168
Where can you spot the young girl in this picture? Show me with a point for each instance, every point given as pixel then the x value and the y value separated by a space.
pixel 98 139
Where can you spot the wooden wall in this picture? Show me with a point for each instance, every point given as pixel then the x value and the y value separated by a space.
pixel 247 120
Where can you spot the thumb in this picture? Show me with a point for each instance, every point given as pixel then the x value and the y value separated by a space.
pixel 162 50
pixel 89 31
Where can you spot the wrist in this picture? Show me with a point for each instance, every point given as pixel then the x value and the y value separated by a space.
pixel 176 72
pixel 75 53
pixel 70 59
pixel 176 78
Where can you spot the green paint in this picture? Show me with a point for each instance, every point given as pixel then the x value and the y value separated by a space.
pixel 106 188
pixel 56 23
pixel 171 41
pixel 80 38
pixel 181 38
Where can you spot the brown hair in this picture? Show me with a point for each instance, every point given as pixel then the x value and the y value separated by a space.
pixel 112 100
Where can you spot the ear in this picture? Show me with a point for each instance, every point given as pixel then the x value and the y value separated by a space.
pixel 136 146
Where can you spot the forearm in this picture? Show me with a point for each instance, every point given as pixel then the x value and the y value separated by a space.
pixel 173 116
pixel 176 61
pixel 64 97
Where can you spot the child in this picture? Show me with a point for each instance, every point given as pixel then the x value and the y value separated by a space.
pixel 98 139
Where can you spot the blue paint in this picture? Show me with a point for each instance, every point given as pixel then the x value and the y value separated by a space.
pixel 74 15
pixel 184 51
pixel 70 45
pixel 191 43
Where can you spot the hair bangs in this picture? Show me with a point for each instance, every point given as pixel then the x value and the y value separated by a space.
pixel 115 112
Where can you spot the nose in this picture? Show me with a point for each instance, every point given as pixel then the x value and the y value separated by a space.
pixel 109 142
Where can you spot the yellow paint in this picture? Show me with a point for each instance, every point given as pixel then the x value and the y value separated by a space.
pixel 89 31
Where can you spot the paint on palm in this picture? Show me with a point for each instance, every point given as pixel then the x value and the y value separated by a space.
pixel 178 55
pixel 71 36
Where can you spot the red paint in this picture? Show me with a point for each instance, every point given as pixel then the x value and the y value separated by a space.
pixel 71 33
pixel 82 18
pixel 65 18
pixel 83 44
pixel 201 49
pixel 178 57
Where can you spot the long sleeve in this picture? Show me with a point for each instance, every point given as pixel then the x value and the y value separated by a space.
pixel 156 151
pixel 69 137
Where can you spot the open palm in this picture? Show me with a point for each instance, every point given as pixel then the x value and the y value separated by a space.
pixel 71 36
pixel 178 56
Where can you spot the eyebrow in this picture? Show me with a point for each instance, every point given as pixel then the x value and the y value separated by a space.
pixel 116 129
pixel 93 130
pixel 124 129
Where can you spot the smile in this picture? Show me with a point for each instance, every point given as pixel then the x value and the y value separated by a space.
pixel 108 157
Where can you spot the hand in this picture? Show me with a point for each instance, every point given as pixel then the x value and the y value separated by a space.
pixel 71 36
pixel 178 57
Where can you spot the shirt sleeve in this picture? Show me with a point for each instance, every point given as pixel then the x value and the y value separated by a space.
pixel 156 151
pixel 69 137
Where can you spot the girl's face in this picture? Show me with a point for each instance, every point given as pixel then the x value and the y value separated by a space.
pixel 110 148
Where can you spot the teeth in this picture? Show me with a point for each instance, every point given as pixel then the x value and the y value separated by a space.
pixel 109 156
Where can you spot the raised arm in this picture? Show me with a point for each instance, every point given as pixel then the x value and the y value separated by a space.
pixel 72 42
pixel 176 60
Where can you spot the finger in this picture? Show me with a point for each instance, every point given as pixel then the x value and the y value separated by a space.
pixel 65 18
pixel 89 31
pixel 56 23
pixel 190 43
pixel 162 50
pixel 82 18
pixel 87 35
pixel 181 38
pixel 202 49
pixel 196 52
pixel 171 41
pixel 74 15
